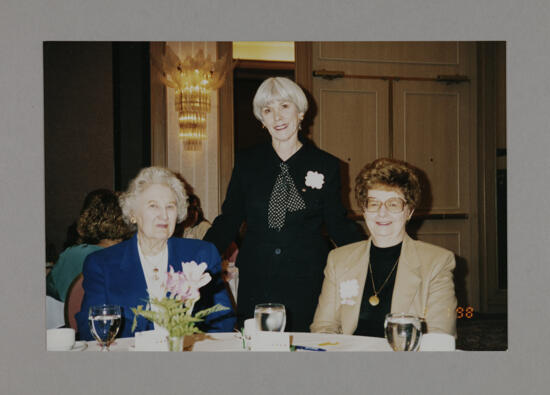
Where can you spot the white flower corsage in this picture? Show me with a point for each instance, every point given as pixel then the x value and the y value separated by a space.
pixel 314 179
pixel 348 290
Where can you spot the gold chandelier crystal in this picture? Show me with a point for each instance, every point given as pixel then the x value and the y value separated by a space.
pixel 193 79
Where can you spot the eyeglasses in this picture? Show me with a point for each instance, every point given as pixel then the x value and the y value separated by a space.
pixel 394 205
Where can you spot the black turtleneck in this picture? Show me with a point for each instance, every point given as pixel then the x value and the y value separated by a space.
pixel 371 318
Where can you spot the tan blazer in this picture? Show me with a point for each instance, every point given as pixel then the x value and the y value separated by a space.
pixel 423 286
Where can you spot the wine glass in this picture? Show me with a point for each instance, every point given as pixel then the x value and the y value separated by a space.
pixel 403 331
pixel 104 321
pixel 270 317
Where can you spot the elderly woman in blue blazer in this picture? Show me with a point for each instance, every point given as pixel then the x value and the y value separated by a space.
pixel 128 273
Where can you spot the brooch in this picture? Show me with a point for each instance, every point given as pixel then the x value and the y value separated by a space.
pixel 315 179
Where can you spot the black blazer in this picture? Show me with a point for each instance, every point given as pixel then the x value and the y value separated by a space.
pixel 283 266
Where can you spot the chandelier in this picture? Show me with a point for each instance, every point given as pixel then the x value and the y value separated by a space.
pixel 193 79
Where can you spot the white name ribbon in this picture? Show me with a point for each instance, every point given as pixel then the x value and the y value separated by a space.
pixel 270 341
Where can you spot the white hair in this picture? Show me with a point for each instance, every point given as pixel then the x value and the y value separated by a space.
pixel 278 88
pixel 146 177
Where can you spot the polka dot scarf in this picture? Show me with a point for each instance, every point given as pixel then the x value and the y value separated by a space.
pixel 284 197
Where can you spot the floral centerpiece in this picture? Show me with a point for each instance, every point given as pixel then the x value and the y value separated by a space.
pixel 174 312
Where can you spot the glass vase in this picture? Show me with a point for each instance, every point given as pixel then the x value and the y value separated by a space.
pixel 175 343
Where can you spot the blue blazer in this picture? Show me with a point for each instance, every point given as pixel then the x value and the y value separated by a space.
pixel 114 276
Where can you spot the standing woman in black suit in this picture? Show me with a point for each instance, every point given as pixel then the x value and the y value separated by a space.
pixel 285 191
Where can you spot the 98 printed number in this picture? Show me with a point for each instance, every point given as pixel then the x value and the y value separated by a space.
pixel 462 312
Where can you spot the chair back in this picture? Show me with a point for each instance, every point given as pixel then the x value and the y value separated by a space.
pixel 73 301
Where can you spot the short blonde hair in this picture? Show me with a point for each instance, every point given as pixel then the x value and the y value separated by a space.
pixel 149 176
pixel 278 88
pixel 388 173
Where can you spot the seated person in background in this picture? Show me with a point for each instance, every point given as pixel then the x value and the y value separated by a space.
pixel 390 272
pixel 195 225
pixel 100 225
pixel 73 238
pixel 129 272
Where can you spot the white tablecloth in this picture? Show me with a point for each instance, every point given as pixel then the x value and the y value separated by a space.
pixel 232 342
pixel 55 313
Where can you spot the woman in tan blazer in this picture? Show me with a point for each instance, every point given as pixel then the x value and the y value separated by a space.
pixel 390 272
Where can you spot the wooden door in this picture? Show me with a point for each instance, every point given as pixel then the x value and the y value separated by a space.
pixel 432 131
pixel 382 99
pixel 352 124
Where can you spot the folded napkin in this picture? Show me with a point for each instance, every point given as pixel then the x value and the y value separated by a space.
pixel 437 342
pixel 270 341
pixel 155 340
pixel 256 340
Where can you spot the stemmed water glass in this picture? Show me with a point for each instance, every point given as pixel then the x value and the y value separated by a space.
pixel 270 317
pixel 403 331
pixel 104 321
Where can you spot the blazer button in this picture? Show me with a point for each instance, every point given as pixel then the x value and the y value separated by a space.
pixel 277 251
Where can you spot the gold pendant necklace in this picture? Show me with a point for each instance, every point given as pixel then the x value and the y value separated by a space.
pixel 155 267
pixel 374 300
pixel 156 270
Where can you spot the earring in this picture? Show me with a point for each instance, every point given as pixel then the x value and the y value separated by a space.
pixel 133 220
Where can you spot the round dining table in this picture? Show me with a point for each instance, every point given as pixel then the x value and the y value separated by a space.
pixel 233 341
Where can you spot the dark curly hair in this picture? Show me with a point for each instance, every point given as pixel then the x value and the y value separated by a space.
pixel 388 173
pixel 195 205
pixel 102 219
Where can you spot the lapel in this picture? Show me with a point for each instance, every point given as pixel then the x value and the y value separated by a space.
pixel 131 266
pixel 408 278
pixel 132 280
pixel 173 255
pixel 131 262
pixel 356 268
pixel 407 281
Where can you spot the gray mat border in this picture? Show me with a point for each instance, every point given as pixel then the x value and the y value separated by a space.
pixel 25 366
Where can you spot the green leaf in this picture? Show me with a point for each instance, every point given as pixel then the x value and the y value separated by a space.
pixel 174 315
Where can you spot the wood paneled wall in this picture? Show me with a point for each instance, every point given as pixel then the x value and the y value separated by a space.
pixel 387 101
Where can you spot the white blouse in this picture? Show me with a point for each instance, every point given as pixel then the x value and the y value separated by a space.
pixel 155 268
